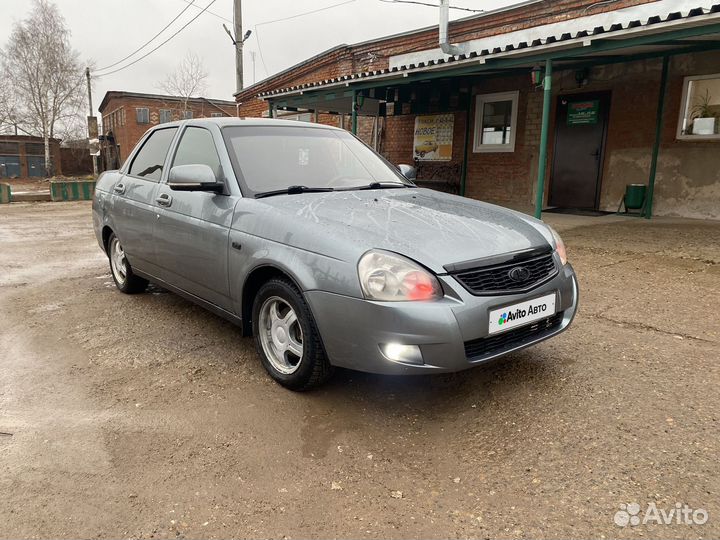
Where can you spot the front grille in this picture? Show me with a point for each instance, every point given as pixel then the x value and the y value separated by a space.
pixel 496 279
pixel 484 346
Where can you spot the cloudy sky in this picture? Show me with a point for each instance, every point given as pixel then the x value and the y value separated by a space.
pixel 106 31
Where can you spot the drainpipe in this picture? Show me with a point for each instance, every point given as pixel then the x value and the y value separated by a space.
pixel 354 123
pixel 445 45
pixel 542 159
pixel 466 143
pixel 658 138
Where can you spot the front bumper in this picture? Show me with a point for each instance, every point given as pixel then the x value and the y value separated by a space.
pixel 352 329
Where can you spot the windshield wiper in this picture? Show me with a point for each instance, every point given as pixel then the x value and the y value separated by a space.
pixel 292 190
pixel 380 185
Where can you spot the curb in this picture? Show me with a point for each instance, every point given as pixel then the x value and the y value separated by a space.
pixel 5 193
pixel 72 191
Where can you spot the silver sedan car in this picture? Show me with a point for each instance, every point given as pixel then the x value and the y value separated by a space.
pixel 326 253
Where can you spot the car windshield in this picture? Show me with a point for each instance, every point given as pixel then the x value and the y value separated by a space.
pixel 274 158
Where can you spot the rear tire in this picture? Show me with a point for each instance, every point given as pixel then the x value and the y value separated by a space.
pixel 286 337
pixel 125 280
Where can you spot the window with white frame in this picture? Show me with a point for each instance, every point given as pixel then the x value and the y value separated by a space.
pixel 217 115
pixel 700 108
pixel 142 115
pixel 496 122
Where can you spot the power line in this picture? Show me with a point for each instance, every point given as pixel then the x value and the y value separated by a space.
pixel 150 40
pixel 305 13
pixel 262 58
pixel 210 12
pixel 297 15
pixel 163 43
pixel 431 5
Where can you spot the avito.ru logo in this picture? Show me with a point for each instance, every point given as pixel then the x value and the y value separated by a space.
pixel 520 313
pixel 681 514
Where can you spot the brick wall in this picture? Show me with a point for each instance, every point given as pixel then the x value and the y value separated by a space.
pixel 375 54
pixel 76 161
pixel 687 180
pixel 22 152
pixel 503 177
pixel 119 115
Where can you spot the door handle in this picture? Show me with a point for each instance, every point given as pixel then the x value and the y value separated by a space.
pixel 596 153
pixel 119 188
pixel 164 200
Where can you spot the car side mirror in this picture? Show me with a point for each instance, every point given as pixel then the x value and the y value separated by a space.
pixel 194 178
pixel 408 171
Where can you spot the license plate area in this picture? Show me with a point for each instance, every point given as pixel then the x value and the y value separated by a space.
pixel 519 314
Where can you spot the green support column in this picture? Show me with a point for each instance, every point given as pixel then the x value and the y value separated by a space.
pixel 647 211
pixel 542 159
pixel 466 143
pixel 271 109
pixel 354 112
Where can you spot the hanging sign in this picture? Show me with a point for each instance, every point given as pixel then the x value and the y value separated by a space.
pixel 433 137
pixel 582 113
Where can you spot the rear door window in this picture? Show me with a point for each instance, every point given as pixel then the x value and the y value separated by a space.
pixel 149 161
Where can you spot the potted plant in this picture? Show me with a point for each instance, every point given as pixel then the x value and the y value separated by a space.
pixel 704 117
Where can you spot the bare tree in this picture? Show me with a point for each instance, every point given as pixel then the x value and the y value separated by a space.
pixel 188 80
pixel 6 106
pixel 44 74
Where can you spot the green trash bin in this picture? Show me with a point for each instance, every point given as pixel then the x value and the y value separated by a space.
pixel 635 196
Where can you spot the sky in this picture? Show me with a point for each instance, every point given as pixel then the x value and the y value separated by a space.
pixel 105 31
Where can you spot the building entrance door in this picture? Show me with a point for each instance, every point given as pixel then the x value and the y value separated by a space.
pixel 580 132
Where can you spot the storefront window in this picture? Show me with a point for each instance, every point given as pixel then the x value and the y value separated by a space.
pixel 496 122
pixel 700 111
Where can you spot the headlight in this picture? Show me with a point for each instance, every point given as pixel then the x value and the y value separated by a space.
pixel 392 278
pixel 559 246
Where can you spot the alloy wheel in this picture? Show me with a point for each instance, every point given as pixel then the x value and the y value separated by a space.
pixel 118 262
pixel 281 335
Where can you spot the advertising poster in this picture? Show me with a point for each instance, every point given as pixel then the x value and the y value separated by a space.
pixel 433 137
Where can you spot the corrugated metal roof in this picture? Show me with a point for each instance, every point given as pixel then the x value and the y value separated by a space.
pixel 698 14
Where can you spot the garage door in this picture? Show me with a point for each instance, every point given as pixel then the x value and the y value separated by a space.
pixel 9 166
pixel 36 166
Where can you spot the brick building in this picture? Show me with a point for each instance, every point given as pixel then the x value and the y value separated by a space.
pixel 541 104
pixel 126 116
pixel 24 156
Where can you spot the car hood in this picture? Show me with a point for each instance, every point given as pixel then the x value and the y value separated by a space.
pixel 430 227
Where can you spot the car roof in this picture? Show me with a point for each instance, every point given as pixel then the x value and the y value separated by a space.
pixel 228 121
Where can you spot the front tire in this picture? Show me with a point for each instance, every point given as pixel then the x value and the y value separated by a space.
pixel 125 280
pixel 287 338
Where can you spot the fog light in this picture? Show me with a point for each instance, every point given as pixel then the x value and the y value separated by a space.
pixel 397 352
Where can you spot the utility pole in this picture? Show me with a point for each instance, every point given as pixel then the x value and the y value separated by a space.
pixel 93 141
pixel 89 87
pixel 237 18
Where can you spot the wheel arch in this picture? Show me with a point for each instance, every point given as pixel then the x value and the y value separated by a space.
pixel 106 232
pixel 255 279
